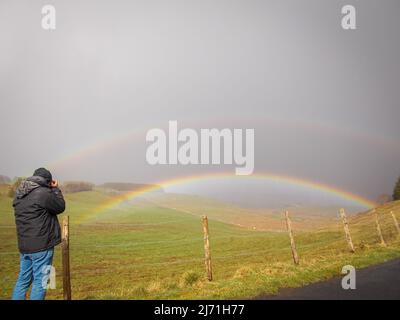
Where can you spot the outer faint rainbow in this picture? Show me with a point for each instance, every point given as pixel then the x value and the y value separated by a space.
pixel 140 131
pixel 364 202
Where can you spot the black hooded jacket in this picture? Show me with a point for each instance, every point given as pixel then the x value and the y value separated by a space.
pixel 36 207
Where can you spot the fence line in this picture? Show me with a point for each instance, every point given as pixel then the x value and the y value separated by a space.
pixel 292 242
pixel 128 224
pixel 65 259
pixel 160 241
pixel 382 227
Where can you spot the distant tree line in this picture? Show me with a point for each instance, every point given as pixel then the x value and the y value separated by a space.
pixel 126 186
pixel 67 187
pixel 76 186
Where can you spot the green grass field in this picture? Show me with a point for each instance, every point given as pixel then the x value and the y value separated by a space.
pixel 147 251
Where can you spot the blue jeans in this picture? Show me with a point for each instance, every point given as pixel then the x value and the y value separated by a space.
pixel 33 270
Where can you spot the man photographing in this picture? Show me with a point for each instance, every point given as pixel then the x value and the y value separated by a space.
pixel 37 202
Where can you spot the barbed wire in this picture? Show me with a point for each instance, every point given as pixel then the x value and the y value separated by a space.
pixel 355 236
pixel 136 265
pixel 107 224
pixel 139 242
pixel 387 227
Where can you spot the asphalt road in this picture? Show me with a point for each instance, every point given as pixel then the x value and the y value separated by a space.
pixel 376 282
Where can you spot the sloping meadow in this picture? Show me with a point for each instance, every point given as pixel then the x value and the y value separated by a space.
pixel 144 251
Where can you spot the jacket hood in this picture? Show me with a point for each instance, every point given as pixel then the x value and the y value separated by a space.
pixel 28 185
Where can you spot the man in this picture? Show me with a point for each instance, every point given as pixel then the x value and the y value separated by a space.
pixel 37 202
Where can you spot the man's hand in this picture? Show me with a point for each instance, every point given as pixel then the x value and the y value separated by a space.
pixel 54 184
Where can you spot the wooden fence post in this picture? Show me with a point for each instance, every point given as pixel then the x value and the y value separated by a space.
pixel 347 230
pixel 395 222
pixel 65 259
pixel 378 228
pixel 292 243
pixel 207 249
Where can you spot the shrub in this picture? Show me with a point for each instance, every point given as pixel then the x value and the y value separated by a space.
pixel 189 278
pixel 396 191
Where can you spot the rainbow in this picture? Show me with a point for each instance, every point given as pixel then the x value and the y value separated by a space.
pixel 139 131
pixel 114 201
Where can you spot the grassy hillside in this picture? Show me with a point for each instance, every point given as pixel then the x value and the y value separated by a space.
pixel 303 218
pixel 151 250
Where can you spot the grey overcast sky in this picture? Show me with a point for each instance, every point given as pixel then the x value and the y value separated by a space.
pixel 324 102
